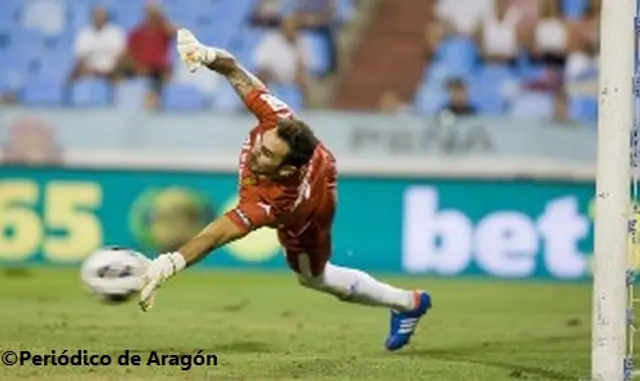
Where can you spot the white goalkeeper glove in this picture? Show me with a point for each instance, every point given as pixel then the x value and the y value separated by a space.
pixel 192 52
pixel 157 272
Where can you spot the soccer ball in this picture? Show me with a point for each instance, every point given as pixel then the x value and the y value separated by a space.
pixel 113 274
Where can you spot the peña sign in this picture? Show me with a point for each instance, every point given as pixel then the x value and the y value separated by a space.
pixel 433 138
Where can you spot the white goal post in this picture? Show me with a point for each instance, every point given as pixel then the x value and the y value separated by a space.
pixel 613 172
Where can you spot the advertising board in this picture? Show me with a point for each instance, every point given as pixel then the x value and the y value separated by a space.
pixel 495 228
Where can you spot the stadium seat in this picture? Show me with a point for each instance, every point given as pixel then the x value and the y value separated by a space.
pixel 12 8
pixel 495 73
pixel 430 99
pixel 289 94
pixel 127 14
pixel 8 20
pixel 574 9
pixel 287 7
pixel 202 80
pixel 177 97
pixel 53 65
pixel 20 38
pixel 189 16
pixel 245 44
pixel 91 92
pixel 488 102
pixel 345 10
pixel 530 72
pixel 489 89
pixel 64 43
pixel 130 94
pixel 19 65
pixel 532 105
pixel 215 35
pixel 78 14
pixel 226 100
pixel 4 39
pixel 45 16
pixel 437 74
pixel 49 28
pixel 583 108
pixel 458 54
pixel 12 80
pixel 488 98
pixel 42 93
pixel 236 11
pixel 319 50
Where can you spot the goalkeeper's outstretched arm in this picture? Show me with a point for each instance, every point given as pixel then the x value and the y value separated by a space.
pixel 217 234
pixel 241 79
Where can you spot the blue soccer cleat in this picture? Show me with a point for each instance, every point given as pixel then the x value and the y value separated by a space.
pixel 403 324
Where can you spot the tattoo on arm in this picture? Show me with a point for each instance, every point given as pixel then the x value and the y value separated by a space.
pixel 242 81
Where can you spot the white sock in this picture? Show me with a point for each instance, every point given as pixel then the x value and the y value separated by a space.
pixel 355 286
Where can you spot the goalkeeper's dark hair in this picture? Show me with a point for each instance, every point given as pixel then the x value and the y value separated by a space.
pixel 301 140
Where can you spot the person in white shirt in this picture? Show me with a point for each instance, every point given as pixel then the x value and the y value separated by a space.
pixel 499 33
pixel 98 47
pixel 283 58
pixel 452 18
pixel 550 36
pixel 463 16
pixel 582 70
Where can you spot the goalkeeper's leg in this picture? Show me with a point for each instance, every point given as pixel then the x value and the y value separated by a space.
pixel 355 286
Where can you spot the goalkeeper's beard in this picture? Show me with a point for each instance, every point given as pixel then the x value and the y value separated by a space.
pixel 255 168
pixel 253 164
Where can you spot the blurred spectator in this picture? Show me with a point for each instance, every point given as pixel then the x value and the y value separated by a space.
pixel 547 79
pixel 561 108
pixel 98 47
pixel 152 101
pixel 283 58
pixel 391 103
pixel 31 141
pixel 148 50
pixel 529 10
pixel 320 16
pixel 267 14
pixel 434 31
pixel 8 97
pixel 550 36
pixel 500 34
pixel 463 17
pixel 581 71
pixel 585 31
pixel 459 103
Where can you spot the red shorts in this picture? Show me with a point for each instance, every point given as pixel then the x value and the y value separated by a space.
pixel 308 252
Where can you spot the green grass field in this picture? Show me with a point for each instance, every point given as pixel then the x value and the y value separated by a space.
pixel 265 327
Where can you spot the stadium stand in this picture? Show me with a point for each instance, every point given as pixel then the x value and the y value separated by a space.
pixel 524 86
pixel 37 42
pixel 524 59
pixel 527 86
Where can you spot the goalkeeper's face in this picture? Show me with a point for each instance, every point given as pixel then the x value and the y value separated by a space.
pixel 268 153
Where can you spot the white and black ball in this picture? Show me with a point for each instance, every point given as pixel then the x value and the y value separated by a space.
pixel 113 273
